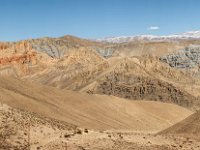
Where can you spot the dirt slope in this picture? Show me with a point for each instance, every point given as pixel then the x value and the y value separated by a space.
pixel 189 127
pixel 24 130
pixel 97 112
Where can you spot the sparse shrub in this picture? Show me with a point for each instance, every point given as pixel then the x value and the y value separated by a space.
pixel 67 135
pixel 78 131
pixel 86 130
pixel 120 136
pixel 101 131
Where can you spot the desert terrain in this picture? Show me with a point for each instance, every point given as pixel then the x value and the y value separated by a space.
pixel 70 93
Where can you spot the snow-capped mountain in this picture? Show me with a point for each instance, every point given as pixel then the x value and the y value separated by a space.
pixel 125 39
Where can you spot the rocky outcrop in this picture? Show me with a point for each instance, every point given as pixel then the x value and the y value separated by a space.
pixel 141 88
pixel 20 59
pixel 144 78
pixel 58 47
pixel 184 59
pixel 18 55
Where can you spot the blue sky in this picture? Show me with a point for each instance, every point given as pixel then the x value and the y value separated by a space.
pixel 22 19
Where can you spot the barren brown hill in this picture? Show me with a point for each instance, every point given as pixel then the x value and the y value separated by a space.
pixel 189 127
pixel 145 78
pixel 24 130
pixel 141 77
pixel 73 71
pixel 91 111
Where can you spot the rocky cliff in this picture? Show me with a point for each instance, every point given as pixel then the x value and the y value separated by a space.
pixel 21 58
pixel 19 55
pixel 186 58
pixel 144 78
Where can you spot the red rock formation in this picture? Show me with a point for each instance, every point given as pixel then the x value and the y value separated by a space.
pixel 21 59
pixel 20 52
pixel 20 55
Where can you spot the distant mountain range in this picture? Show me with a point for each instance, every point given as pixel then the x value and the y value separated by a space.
pixel 125 39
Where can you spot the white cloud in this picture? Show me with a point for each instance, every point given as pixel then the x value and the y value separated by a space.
pixel 153 28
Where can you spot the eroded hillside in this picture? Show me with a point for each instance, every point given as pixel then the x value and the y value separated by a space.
pixel 78 65
pixel 117 94
pixel 20 59
pixel 144 78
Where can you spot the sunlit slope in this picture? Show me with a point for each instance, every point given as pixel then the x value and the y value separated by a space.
pixel 95 112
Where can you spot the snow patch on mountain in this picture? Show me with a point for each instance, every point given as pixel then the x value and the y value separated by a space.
pixel 125 39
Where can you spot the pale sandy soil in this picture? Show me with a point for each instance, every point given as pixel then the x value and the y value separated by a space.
pixel 90 111
pixel 23 130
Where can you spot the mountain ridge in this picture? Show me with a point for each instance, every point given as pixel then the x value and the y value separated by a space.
pixel 126 39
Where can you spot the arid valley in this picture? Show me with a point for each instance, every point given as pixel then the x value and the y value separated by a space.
pixel 72 93
pixel 99 75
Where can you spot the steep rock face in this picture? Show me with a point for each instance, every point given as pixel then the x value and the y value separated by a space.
pixel 22 58
pixel 140 88
pixel 184 59
pixel 16 52
pixel 19 55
